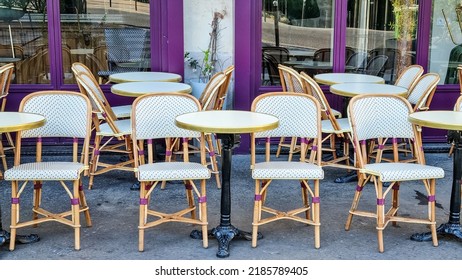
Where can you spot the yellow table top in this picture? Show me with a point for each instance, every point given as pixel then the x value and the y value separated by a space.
pixel 339 78
pixel 353 89
pixel 16 121
pixel 450 120
pixel 135 89
pixel 227 121
pixel 144 77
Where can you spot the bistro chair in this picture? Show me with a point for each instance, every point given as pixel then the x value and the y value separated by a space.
pixel 153 117
pixel 221 98
pixel 376 65
pixel 120 112
pixel 68 116
pixel 6 75
pixel 307 126
pixel 291 82
pixel 379 117
pixel 112 135
pixel 333 128
pixel 208 100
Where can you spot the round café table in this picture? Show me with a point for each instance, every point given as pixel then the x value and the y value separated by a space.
pixel 144 77
pixel 340 78
pixel 228 124
pixel 13 122
pixel 135 89
pixel 452 121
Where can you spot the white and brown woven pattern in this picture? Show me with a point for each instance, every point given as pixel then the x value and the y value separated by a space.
pixel 287 170
pixel 422 89
pixel 294 121
pixel 52 171
pixel 155 116
pixel 165 171
pixel 397 171
pixel 409 76
pixel 63 114
pixel 381 116
pixel 291 79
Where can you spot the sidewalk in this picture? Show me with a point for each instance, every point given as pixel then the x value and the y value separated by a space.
pixel 114 235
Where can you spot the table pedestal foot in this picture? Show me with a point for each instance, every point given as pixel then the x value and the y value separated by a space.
pixel 224 235
pixel 20 239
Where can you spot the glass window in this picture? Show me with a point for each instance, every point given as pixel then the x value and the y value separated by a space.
pixel 23 29
pixel 381 37
pixel 298 33
pixel 446 40
pixel 108 36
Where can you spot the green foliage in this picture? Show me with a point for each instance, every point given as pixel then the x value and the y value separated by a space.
pixel 22 4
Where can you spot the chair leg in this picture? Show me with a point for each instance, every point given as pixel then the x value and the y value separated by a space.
pixel 14 213
pixel 37 199
pixel 2 154
pixel 316 215
pixel 380 214
pixel 203 214
pixel 305 200
pixel 213 160
pixel 94 161
pixel 190 198
pixel 354 205
pixel 84 205
pixel 395 200
pixel 256 213
pixel 281 141
pixel 75 205
pixel 432 211
pixel 142 216
pixel 293 143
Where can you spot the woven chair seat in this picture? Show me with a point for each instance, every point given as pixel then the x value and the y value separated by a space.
pixel 336 113
pixel 397 171
pixel 343 123
pixel 121 112
pixel 287 170
pixel 165 171
pixel 52 171
pixel 123 125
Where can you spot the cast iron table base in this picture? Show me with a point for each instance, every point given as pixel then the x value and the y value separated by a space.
pixel 452 227
pixel 226 232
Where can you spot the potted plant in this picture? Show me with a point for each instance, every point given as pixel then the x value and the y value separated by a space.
pixel 206 66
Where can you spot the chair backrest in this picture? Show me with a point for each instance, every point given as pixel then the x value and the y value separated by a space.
pixel 313 88
pixel 322 54
pixel 224 88
pixel 153 117
pixel 92 89
pixel 286 107
pixel 409 76
pixel 290 79
pixel 376 65
pixel 6 74
pixel 379 117
pixel 280 54
pixel 421 94
pixel 459 74
pixel 270 68
pixel 209 97
pixel 67 115
pixel 458 105
pixel 358 60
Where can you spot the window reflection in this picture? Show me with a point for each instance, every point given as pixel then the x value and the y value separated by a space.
pixel 23 29
pixel 446 40
pixel 108 36
pixel 296 33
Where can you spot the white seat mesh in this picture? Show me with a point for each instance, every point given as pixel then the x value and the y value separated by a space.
pixel 287 170
pixel 344 124
pixel 45 171
pixel 397 171
pixel 164 171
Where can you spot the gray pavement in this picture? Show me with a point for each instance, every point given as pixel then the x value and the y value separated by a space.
pixel 114 211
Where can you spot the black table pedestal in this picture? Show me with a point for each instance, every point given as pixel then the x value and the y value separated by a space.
pixel 226 232
pixel 452 227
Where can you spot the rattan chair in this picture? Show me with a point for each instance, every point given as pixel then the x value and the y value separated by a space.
pixel 112 136
pixel 153 117
pixel 386 116
pixel 409 76
pixel 68 116
pixel 307 126
pixel 333 128
pixel 6 75
pixel 120 112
